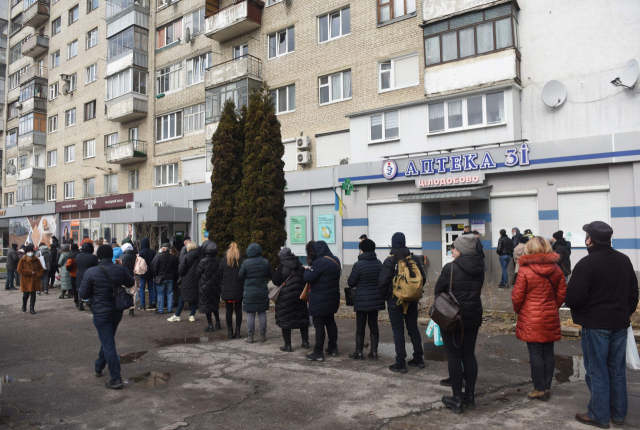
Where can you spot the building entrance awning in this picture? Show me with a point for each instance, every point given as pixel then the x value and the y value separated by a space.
pixel 430 195
pixel 165 214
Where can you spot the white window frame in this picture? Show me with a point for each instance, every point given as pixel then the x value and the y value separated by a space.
pixel 54 91
pixel 328 84
pixel 329 16
pixel 134 178
pixel 111 139
pixel 392 76
pixel 9 199
pixel 51 193
pixel 238 51
pixel 69 190
pixel 175 70
pixel 161 118
pixel 52 57
pixel 68 153
pixel 70 49
pixel 68 115
pixel 108 183
pixel 91 72
pixel 73 82
pixel 465 116
pixel 201 63
pixel 188 21
pixel 277 36
pixel 174 167
pixel 275 99
pixel 162 4
pixel 195 116
pixel 89 149
pixel 92 36
pixel 85 187
pixel 272 2
pixel 52 156
pixel 384 129
pixel 52 125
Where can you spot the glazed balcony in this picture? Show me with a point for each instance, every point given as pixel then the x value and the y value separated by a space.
pixel 33 104
pixel 234 20
pixel 233 70
pixel 127 110
pixel 128 152
pixel 35 46
pixel 31 173
pixel 36 12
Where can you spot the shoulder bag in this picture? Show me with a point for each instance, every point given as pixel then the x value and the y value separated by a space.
pixel 275 293
pixel 124 300
pixel 446 312
pixel 158 278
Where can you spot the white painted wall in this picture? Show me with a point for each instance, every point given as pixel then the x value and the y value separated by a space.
pixel 332 148
pixel 434 9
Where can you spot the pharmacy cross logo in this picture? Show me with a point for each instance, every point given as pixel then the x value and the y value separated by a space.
pixel 389 169
pixel 89 203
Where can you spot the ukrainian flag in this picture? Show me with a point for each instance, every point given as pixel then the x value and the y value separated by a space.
pixel 339 204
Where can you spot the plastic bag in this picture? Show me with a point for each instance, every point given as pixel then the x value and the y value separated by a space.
pixel 430 329
pixel 437 337
pixel 633 358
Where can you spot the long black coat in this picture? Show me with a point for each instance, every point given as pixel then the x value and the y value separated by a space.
pixel 364 278
pixel 291 312
pixel 95 286
pixel 560 247
pixel 468 278
pixel 85 260
pixel 208 283
pixel 256 272
pixel 231 287
pixel 128 260
pixel 324 277
pixel 188 271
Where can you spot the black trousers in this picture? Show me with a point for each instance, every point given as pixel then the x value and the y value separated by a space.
pixel 398 320
pixel 286 335
pixel 26 296
pixel 74 289
pixel 320 323
pixel 217 315
pixel 52 275
pixel 459 357
pixel 543 363
pixel 361 323
pixel 230 308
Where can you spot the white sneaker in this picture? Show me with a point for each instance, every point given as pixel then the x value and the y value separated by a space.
pixel 174 319
pixel 191 318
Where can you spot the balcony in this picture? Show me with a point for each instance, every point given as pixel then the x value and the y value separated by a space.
pixel 233 70
pixel 33 103
pixel 31 173
pixel 234 20
pixel 27 140
pixel 35 13
pixel 127 110
pixel 3 57
pixel 35 46
pixel 128 152
pixel 33 72
pixel 114 7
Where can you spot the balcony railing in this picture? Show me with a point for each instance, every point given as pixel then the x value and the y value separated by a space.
pixel 32 72
pixel 241 67
pixel 31 173
pixel 127 110
pixel 127 152
pixel 35 13
pixel 35 46
pixel 234 20
pixel 114 7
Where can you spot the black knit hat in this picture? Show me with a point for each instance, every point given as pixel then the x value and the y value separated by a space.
pixel 28 248
pixel 104 251
pixel 558 235
pixel 523 239
pixel 367 245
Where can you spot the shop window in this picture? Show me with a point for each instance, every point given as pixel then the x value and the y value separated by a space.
pixel 281 42
pixel 334 25
pixel 69 190
pixel 335 88
pixel 284 99
pixel 391 9
pixel 385 126
pixel 89 187
pixel 166 174
pixel 467 113
pixel 398 73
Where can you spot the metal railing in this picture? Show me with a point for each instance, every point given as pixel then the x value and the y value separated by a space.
pixel 116 6
pixel 254 65
pixel 139 147
pixel 34 71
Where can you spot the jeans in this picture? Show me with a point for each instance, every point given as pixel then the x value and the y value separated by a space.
pixel 543 363
pixel 152 291
pixel 106 326
pixel 361 323
pixel 251 322
pixel 462 361
pixel 605 354
pixel 286 335
pixel 398 320
pixel 320 322
pixel 193 307
pixel 9 282
pixel 229 309
pixel 504 262
pixel 160 290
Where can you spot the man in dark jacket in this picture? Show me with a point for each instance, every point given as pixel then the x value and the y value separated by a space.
pixel 12 266
pixel 602 294
pixel 324 299
pixel 84 261
pixel 98 284
pixel 148 255
pixel 165 265
pixel 561 247
pixel 397 317
pixel 53 267
pixel 504 251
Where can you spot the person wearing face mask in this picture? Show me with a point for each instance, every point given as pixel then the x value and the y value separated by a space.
pixel 31 272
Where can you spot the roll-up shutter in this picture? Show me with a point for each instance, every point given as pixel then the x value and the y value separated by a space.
pixel 389 218
pixel 578 209
pixel 194 170
pixel 510 212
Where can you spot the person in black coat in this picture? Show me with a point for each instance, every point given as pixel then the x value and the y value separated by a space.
pixel 189 289
pixel 231 288
pixel 84 261
pixel 53 267
pixel 561 248
pixel 324 298
pixel 128 259
pixel 367 301
pixel 148 255
pixel 256 272
pixel 165 267
pixel 505 252
pixel 468 277
pixel 208 283
pixel 291 312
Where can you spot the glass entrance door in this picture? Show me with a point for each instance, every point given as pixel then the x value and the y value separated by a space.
pixel 451 230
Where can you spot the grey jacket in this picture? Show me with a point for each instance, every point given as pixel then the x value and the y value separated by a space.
pixel 12 259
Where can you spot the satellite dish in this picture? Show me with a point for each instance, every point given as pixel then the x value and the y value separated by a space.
pixel 187 34
pixel 630 73
pixel 554 93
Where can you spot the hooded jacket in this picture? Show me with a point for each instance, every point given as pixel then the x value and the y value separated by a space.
pixel 148 254
pixel 468 278
pixel 231 287
pixel 85 260
pixel 537 295
pixel 324 277
pixel 561 248
pixel 12 259
pixel 208 282
pixel 95 286
pixel 128 257
pixel 291 312
pixel 515 239
pixel 65 276
pixel 46 254
pixel 188 270
pixel 117 253
pixel 256 273
pixel 364 278
pixel 55 246
pixel 390 270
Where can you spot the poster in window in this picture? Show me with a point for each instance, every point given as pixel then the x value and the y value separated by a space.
pixel 326 228
pixel 298 229
pixel 204 234
pixel 478 225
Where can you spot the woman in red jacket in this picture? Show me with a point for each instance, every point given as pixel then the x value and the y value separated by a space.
pixel 538 294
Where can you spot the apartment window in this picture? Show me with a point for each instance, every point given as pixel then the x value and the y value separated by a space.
pixel 12 138
pixel 335 88
pixel 168 78
pixel 9 199
pixel 194 118
pixel 134 133
pixel 111 183
pixel 16 24
pixel 15 53
pixel 91 73
pixel 23 162
pixel 53 124
pixel 162 3
pixel 69 190
pixel 92 5
pixel 90 110
pixel 70 117
pixel 390 9
pixel 89 148
pixel 125 82
pixel 216 97
pixel 111 139
pixel 385 126
pixel 284 99
pixel 195 22
pixel 127 40
pixel 14 80
pixel 134 179
pixel 169 34
pixel 270 2
pixel 52 158
pixel 55 59
pixel 74 14
pixel 89 187
pixel 281 42
pixel 196 67
pixel 169 126
pixel 166 174
pixel 471 112
pixel 399 73
pixel 72 49
pixel 92 38
pixel 13 109
pixel 33 89
pixel 32 122
pixel 334 25
pixel 69 154
pixel 471 34
pixel 53 91
pixel 56 26
pixel 240 51
pixel 73 82
pixel 51 193
pixel 36 160
pixel 209 156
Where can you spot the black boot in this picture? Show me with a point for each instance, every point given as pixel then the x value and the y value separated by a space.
pixel 32 303
pixel 305 343
pixel 218 326
pixel 81 305
pixel 373 349
pixel 31 310
pixel 231 335
pixel 62 295
pixel 24 305
pixel 286 348
pixel 208 328
pixel 357 355
pixel 131 312
pixel 236 335
pixel 454 403
pixel 469 399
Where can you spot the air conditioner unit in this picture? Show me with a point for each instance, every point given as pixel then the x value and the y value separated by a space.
pixel 304 157
pixel 131 205
pixel 159 204
pixel 183 183
pixel 303 142
pixel 344 161
pixel 65 77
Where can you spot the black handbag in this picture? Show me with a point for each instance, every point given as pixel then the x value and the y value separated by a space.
pixel 349 296
pixel 124 300
pixel 446 312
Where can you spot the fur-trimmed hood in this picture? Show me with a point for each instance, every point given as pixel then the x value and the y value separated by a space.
pixel 541 264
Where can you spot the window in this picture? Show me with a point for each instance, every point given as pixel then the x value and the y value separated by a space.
pixel 390 9
pixel 12 162
pixel 216 97
pixel 169 126
pixel 166 174
pixel 335 87
pixel 111 183
pixel 91 73
pixel 209 156
pixel 13 109
pixel 12 138
pixel 92 5
pixel 33 89
pixel 111 139
pixel 334 25
pixel 55 59
pixel 15 54
pixel 169 34
pixel 134 133
pixel 92 37
pixel 470 34
pixel 195 22
pixel 32 122
pixel 14 80
pixel 72 49
pixel 73 82
pixel 23 162
pixel 240 51
pixel 52 158
pixel 51 193
pixel 74 14
pixel 9 199
pixel 69 190
pixel 53 91
pixel 385 126
pixel 69 154
pixel 134 178
pixel 89 187
pixel 471 112
pixel 127 40
pixel 90 110
pixel 89 148
pixel 399 73
pixel 196 67
pixel 125 82
pixel 194 118
pixel 53 124
pixel 56 26
pixel 70 117
pixel 162 3
pixel 168 78
pixel 281 42
pixel 284 99
pixel 16 24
